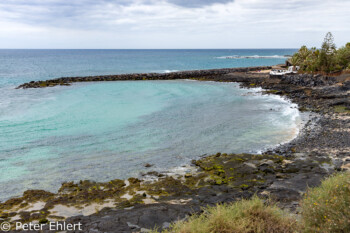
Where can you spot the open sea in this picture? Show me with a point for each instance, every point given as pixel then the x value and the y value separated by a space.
pixel 108 130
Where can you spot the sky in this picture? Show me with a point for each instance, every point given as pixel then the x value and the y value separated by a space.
pixel 173 24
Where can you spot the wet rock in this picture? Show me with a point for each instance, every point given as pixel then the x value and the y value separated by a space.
pixel 154 173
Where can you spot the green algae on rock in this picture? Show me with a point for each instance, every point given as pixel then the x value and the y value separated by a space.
pixel 241 171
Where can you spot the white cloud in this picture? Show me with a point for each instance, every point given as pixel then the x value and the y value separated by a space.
pixel 171 23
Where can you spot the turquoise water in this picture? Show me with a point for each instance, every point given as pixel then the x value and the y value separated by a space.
pixel 103 131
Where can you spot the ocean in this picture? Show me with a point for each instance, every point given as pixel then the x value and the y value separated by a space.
pixel 103 131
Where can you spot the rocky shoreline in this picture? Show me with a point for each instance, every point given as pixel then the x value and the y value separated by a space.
pixel 192 74
pixel 284 173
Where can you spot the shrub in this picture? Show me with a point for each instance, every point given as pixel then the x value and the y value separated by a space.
pixel 342 57
pixel 327 208
pixel 245 216
pixel 327 59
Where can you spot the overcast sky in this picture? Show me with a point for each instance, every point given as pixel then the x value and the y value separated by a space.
pixel 172 23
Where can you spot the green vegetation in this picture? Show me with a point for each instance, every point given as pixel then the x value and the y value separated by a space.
pixel 327 59
pixel 324 209
pixel 327 208
pixel 240 217
pixel 341 109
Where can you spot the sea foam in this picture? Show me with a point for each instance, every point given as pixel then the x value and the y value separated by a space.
pixel 253 57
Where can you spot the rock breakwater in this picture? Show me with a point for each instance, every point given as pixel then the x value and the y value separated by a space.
pixel 194 74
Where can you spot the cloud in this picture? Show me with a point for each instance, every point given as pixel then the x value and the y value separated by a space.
pixel 171 23
pixel 197 3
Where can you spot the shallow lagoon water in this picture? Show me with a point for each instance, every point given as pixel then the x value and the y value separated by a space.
pixel 103 131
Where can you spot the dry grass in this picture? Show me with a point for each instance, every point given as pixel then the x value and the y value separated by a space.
pixel 246 216
pixel 327 208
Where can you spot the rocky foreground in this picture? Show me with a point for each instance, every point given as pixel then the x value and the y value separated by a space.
pixel 156 200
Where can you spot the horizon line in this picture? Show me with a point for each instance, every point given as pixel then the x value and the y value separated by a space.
pixel 134 48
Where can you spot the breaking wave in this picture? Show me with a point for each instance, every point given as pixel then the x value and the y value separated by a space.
pixel 254 57
pixel 168 71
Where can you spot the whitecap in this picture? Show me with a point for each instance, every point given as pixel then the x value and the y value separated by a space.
pixel 253 57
